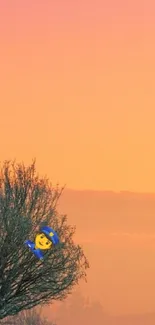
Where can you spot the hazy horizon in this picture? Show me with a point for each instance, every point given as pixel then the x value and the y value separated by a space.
pixel 117 232
pixel 77 92
pixel 122 226
pixel 105 190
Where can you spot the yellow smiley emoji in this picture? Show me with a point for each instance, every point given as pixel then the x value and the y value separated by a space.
pixel 42 242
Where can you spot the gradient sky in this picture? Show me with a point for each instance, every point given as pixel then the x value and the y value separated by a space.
pixel 77 90
pixel 77 85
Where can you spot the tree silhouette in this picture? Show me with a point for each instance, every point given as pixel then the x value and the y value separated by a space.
pixel 26 203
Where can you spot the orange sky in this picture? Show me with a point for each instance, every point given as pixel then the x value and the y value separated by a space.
pixel 77 93
pixel 77 90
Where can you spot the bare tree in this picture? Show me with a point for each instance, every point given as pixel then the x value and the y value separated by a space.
pixel 26 203
pixel 27 317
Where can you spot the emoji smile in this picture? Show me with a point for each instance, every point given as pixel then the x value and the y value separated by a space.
pixel 40 244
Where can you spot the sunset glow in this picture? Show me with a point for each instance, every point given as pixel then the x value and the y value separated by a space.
pixel 77 83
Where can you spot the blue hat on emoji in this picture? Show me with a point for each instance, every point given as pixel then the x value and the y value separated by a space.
pixel 50 234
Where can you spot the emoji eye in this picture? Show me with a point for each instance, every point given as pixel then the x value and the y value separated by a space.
pixel 47 242
pixel 42 236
